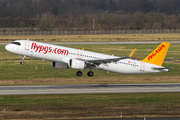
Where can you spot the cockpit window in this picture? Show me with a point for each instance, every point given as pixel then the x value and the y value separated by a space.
pixel 16 43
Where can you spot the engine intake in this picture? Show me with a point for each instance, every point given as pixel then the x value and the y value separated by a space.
pixel 77 64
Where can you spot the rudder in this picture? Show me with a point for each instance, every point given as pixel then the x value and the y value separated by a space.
pixel 158 55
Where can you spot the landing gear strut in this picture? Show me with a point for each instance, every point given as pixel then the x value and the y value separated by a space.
pixel 79 73
pixel 22 62
pixel 90 73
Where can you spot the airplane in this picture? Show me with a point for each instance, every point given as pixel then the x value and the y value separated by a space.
pixel 65 57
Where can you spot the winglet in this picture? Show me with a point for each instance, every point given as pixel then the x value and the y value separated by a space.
pixel 158 55
pixel 132 52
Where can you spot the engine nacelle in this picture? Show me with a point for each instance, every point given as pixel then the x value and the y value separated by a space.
pixel 60 65
pixel 77 64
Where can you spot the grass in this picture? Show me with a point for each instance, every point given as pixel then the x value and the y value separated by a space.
pixel 12 73
pixel 86 106
pixel 87 38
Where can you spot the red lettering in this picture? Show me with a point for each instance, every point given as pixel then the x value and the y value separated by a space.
pixel 158 50
pixel 59 51
pixel 37 47
pixel 153 54
pixel 41 47
pixel 50 50
pixel 163 46
pixel 32 45
pixel 150 57
pixel 45 49
pixel 62 52
pixel 55 50
pixel 66 52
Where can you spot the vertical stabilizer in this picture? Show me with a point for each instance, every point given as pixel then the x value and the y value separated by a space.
pixel 158 55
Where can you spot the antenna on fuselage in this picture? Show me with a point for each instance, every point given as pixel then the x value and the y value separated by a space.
pixel 27 39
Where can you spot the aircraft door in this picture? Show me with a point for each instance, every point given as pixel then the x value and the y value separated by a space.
pixel 27 45
pixel 27 48
pixel 142 66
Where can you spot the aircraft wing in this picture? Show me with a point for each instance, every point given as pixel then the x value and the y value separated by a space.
pixel 100 61
pixel 108 60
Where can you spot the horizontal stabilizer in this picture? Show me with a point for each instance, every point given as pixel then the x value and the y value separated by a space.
pixel 163 68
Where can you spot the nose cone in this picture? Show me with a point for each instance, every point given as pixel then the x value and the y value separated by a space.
pixel 7 47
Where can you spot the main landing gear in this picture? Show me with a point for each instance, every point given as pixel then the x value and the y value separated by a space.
pixel 22 62
pixel 79 73
pixel 90 73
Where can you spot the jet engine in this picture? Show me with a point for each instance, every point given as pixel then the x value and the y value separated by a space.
pixel 60 65
pixel 77 64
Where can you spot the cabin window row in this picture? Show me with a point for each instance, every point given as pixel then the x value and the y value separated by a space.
pixel 128 64
pixel 83 55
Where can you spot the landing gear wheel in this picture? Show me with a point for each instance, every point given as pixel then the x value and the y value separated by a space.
pixel 79 73
pixel 90 73
pixel 22 63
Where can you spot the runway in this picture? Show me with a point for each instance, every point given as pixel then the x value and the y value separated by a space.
pixel 89 89
pixel 93 43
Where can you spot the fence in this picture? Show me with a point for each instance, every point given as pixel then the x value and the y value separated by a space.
pixel 88 32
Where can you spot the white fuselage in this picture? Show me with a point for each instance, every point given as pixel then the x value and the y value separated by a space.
pixel 62 54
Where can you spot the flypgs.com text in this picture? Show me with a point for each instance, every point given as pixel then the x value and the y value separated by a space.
pixel 46 49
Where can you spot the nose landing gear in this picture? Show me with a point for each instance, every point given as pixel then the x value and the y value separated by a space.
pixel 22 62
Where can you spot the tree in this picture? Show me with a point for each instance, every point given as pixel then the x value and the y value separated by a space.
pixel 46 21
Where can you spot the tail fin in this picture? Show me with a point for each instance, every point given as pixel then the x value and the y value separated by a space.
pixel 158 55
